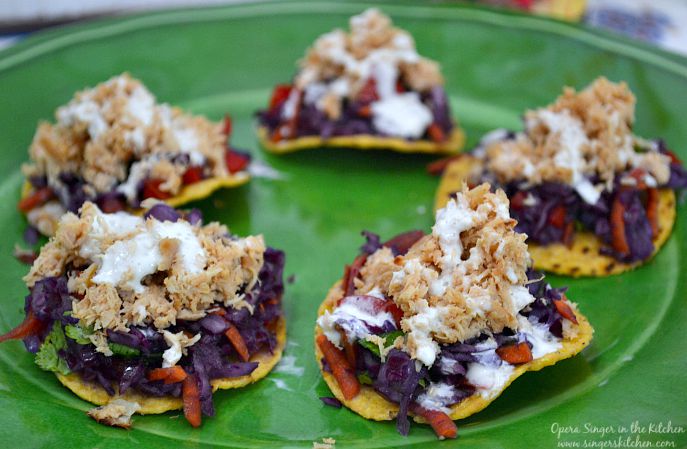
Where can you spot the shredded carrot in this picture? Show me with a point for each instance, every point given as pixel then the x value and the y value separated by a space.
pixel 342 371
pixel 518 200
pixel 565 310
pixel 35 199
pixel 619 239
pixel 350 273
pixel 349 350
pixel 237 342
pixel 192 175
pixel 151 189
pixel 437 167
pixel 515 354
pixel 436 133
pixel 191 399
pixel 442 424
pixel 30 326
pixel 557 216
pixel 170 375
pixel 652 210
pixel 568 233
pixel 365 111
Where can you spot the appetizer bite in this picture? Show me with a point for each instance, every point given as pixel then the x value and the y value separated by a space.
pixel 365 89
pixel 154 313
pixel 437 326
pixel 115 146
pixel 593 198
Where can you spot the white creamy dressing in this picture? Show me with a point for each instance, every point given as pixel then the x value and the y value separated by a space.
pixel 137 173
pixel 426 320
pixel 84 111
pixel 542 340
pixel 393 114
pixel 437 396
pixel 135 251
pixel 401 115
pixel 489 380
pixel 352 320
pixel 141 112
pixel 572 138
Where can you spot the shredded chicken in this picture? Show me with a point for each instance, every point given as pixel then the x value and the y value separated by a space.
pixel 340 63
pixel 192 270
pixel 103 130
pixel 582 134
pixel 460 280
pixel 116 413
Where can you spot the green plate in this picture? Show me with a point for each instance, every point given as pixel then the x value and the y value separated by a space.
pixel 496 64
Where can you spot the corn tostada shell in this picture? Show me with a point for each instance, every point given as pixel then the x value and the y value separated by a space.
pixel 371 405
pixel 582 257
pixel 452 145
pixel 96 394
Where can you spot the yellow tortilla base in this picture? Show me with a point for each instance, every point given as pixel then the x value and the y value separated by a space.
pixel 454 143
pixel 96 394
pixel 582 258
pixel 371 405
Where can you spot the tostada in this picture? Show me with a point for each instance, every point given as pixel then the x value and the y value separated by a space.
pixel 593 198
pixel 115 146
pixel 437 326
pixel 154 313
pixel 367 88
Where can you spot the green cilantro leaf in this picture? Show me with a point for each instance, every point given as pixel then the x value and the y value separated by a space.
pixel 78 334
pixel 389 339
pixel 47 356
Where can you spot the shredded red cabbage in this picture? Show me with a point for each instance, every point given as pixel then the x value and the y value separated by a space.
pixel 311 121
pixel 211 357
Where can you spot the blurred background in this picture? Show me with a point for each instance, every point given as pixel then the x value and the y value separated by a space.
pixel 654 21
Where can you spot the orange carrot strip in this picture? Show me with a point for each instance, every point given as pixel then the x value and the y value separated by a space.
pixel 365 111
pixel 350 273
pixel 237 342
pixel 652 210
pixel 437 167
pixel 565 310
pixel 349 350
pixel 191 399
pixel 436 133
pixel 515 354
pixel 170 375
pixel 619 240
pixel 342 371
pixel 35 199
pixel 442 424
pixel 30 326
pixel 568 234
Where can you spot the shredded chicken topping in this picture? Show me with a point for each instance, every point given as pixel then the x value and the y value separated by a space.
pixel 114 135
pixel 116 413
pixel 581 135
pixel 124 270
pixel 341 63
pixel 467 277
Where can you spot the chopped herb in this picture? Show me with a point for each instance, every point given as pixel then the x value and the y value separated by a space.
pixel 389 339
pixel 78 334
pixel 123 350
pixel 48 357
pixel 364 378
